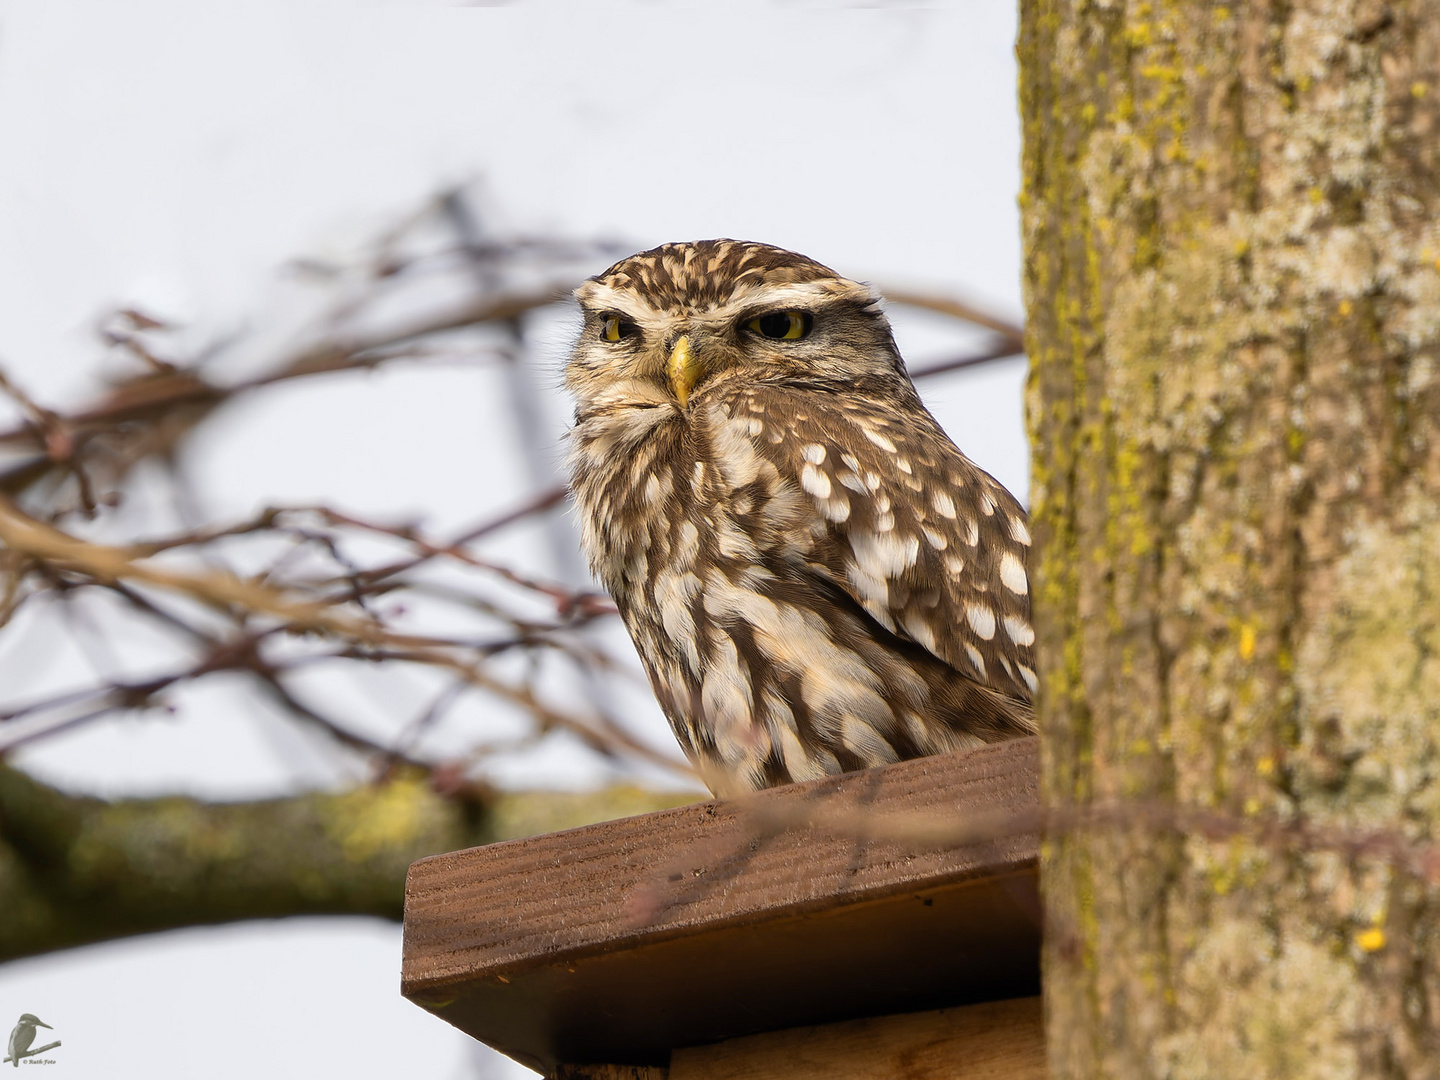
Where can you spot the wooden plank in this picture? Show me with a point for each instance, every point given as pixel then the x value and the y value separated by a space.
pixel 804 904
pixel 997 1040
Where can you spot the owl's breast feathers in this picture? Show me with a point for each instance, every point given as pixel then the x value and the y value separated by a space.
pixel 815 582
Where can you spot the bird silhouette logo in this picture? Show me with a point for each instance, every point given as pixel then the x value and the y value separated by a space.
pixel 23 1034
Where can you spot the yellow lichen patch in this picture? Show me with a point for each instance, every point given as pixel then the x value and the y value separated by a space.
pixel 372 820
pixel 1138 35
pixel 1247 641
pixel 1372 940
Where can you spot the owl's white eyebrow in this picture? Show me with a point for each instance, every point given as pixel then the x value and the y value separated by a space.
pixel 600 297
pixel 800 294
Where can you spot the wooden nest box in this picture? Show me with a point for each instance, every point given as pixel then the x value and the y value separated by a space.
pixel 883 923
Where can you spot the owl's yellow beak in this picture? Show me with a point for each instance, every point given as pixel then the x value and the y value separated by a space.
pixel 684 369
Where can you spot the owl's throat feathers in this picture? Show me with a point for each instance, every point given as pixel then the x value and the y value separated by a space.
pixel 684 369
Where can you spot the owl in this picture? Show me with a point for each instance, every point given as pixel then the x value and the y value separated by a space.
pixel 816 579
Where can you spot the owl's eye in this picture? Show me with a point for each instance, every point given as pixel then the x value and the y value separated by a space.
pixel 614 328
pixel 782 325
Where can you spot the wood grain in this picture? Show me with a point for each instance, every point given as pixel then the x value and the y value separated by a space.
pixel 805 904
pixel 997 1040
pixel 609 1072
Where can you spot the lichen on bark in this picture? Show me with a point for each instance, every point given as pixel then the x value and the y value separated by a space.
pixel 1232 234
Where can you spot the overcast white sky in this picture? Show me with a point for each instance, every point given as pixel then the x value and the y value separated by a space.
pixel 175 155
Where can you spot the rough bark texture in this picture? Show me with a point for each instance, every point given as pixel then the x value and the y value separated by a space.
pixel 1232 227
pixel 76 870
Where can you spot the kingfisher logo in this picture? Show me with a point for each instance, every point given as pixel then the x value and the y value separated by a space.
pixel 22 1036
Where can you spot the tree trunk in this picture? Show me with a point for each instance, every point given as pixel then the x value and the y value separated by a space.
pixel 1232 235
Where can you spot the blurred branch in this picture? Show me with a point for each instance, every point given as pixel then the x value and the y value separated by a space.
pixel 1010 336
pixel 1003 351
pixel 156 409
pixel 959 309
pixel 359 636
pixel 75 870
pixel 348 355
pixel 24 536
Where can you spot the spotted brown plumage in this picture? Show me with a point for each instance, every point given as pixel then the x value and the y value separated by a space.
pixel 815 577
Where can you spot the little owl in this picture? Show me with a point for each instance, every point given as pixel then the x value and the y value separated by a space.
pixel 816 578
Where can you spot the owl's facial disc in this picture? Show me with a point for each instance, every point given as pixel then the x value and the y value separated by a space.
pixel 667 325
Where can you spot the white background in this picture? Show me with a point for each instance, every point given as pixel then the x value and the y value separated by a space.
pixel 175 155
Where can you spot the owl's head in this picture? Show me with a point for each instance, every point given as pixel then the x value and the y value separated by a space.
pixel 666 324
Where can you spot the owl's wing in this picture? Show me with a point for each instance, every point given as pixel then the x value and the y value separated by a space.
pixel 930 545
